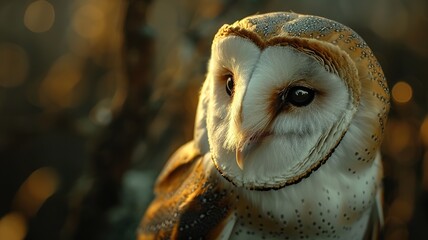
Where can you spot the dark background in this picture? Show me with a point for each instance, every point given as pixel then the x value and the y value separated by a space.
pixel 96 94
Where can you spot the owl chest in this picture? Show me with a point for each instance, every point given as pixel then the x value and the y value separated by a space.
pixel 319 207
pixel 295 223
pixel 314 214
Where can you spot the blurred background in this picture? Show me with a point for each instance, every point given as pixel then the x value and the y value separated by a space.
pixel 95 95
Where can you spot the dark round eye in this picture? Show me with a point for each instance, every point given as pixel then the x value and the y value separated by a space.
pixel 230 84
pixel 299 96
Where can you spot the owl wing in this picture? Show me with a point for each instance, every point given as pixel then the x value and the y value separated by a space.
pixel 176 170
pixel 188 202
pixel 376 221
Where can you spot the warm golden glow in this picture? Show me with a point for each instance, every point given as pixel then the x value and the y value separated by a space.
pixel 424 131
pixel 210 9
pixel 58 88
pixel 89 21
pixel 13 65
pixel 39 16
pixel 425 172
pixel 402 208
pixel 42 183
pixel 38 187
pixel 13 226
pixel 402 92
pixel 398 136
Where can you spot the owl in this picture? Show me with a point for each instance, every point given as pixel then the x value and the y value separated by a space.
pixel 286 141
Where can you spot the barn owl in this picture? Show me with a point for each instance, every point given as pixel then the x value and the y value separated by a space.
pixel 286 143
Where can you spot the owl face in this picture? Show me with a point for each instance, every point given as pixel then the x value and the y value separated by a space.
pixel 282 92
pixel 270 108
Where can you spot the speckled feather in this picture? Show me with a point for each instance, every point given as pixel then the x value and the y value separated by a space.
pixel 330 194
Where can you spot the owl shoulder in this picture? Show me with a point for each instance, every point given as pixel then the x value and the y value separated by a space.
pixel 177 169
pixel 188 203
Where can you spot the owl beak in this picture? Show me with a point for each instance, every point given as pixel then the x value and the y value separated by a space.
pixel 249 144
pixel 239 159
pixel 242 151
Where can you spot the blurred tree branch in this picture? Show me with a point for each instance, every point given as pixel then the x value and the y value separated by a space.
pixel 113 150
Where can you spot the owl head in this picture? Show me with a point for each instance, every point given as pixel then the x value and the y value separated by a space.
pixel 286 93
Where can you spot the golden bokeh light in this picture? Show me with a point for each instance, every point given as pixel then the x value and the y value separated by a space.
pixel 39 16
pixel 210 9
pixel 58 89
pixel 402 92
pixel 88 21
pixel 36 189
pixel 402 208
pixel 13 65
pixel 13 226
pixel 424 131
pixel 397 233
pixel 425 171
pixel 42 183
pixel 398 136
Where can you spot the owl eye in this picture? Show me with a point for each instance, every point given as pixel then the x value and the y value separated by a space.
pixel 298 96
pixel 230 84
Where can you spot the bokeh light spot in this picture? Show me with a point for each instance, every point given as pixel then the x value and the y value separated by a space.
pixel 88 21
pixel 402 92
pixel 37 188
pixel 39 16
pixel 402 208
pixel 425 172
pixel 424 131
pixel 13 226
pixel 58 89
pixel 398 136
pixel 101 114
pixel 42 183
pixel 13 65
pixel 210 9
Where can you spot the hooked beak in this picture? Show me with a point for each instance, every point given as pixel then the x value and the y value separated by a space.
pixel 241 153
pixel 249 144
